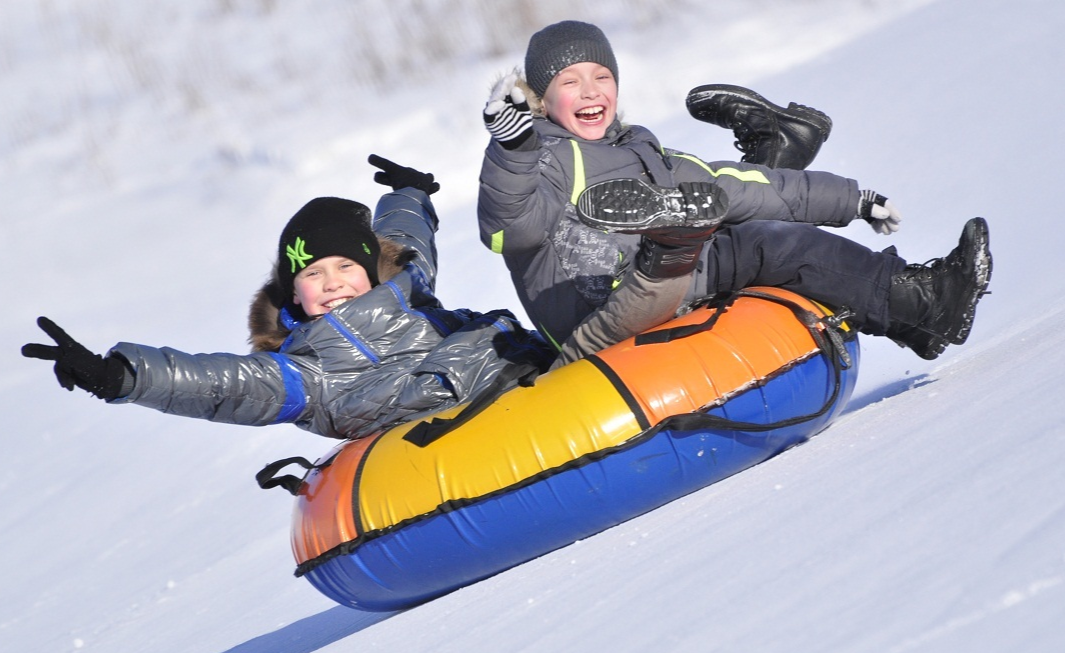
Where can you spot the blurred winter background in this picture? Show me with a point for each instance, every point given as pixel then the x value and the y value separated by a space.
pixel 151 152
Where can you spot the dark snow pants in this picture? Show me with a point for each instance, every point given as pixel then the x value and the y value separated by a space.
pixel 812 262
pixel 816 264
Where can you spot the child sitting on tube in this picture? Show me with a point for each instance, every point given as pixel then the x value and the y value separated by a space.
pixel 348 337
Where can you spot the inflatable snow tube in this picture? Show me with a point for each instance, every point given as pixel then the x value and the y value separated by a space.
pixel 390 521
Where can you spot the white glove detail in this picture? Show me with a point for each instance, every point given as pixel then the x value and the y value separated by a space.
pixel 506 115
pixel 879 212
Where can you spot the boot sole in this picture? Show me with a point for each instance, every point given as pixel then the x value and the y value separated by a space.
pixel 929 349
pixel 700 96
pixel 635 206
pixel 983 266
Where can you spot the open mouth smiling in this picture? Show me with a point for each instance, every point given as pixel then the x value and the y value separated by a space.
pixel 333 303
pixel 590 114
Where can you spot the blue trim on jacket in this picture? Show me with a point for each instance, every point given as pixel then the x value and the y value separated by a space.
pixel 295 400
pixel 343 330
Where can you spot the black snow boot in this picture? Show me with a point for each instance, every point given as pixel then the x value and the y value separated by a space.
pixel 933 305
pixel 767 134
pixel 672 216
pixel 926 345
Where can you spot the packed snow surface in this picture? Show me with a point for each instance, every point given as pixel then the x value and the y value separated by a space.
pixel 151 152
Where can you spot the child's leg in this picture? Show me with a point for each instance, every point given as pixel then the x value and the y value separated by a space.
pixel 636 305
pixel 817 264
pixel 648 296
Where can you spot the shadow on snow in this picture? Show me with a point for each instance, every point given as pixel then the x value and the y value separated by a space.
pixel 313 633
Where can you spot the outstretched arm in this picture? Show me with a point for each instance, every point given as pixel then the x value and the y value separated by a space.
pixel 105 377
pixel 760 193
pixel 407 215
pixel 227 388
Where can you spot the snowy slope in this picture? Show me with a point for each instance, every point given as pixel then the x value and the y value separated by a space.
pixel 148 159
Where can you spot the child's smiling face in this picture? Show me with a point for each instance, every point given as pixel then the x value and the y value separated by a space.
pixel 583 99
pixel 327 283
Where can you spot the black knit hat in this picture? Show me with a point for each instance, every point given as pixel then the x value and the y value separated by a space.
pixel 327 226
pixel 558 46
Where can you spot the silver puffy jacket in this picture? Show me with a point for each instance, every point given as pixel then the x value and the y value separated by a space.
pixel 389 356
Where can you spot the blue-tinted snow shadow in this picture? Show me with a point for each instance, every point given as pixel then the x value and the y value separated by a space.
pixel 887 391
pixel 314 632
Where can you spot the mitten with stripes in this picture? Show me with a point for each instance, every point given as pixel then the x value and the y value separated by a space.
pixel 879 212
pixel 507 115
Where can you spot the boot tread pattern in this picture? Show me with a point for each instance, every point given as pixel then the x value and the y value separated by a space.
pixel 633 205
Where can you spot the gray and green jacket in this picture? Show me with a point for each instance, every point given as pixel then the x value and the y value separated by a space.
pixel 562 270
pixel 388 356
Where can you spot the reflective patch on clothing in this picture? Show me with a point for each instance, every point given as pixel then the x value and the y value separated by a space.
pixel 579 182
pixel 753 176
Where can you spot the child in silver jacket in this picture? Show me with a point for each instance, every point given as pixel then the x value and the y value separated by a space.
pixel 348 336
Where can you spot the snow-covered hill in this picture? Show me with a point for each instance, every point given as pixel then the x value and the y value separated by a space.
pixel 150 154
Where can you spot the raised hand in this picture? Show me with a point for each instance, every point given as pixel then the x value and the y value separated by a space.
pixel 507 115
pixel 77 366
pixel 397 176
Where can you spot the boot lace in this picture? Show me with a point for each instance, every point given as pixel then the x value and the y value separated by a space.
pixel 921 271
pixel 747 140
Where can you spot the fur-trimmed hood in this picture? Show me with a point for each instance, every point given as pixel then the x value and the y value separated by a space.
pixel 265 330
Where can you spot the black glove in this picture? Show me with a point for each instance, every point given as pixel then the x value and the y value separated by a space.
pixel 77 366
pixel 507 116
pixel 397 176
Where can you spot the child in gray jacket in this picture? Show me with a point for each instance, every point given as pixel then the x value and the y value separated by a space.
pixel 605 232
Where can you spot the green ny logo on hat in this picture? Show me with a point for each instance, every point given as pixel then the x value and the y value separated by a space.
pixel 298 255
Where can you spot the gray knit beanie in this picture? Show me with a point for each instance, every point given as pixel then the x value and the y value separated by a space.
pixel 558 46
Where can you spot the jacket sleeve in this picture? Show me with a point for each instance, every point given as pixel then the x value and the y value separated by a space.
pixel 265 389
pixel 521 196
pixel 253 390
pixel 407 216
pixel 469 359
pixel 759 193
